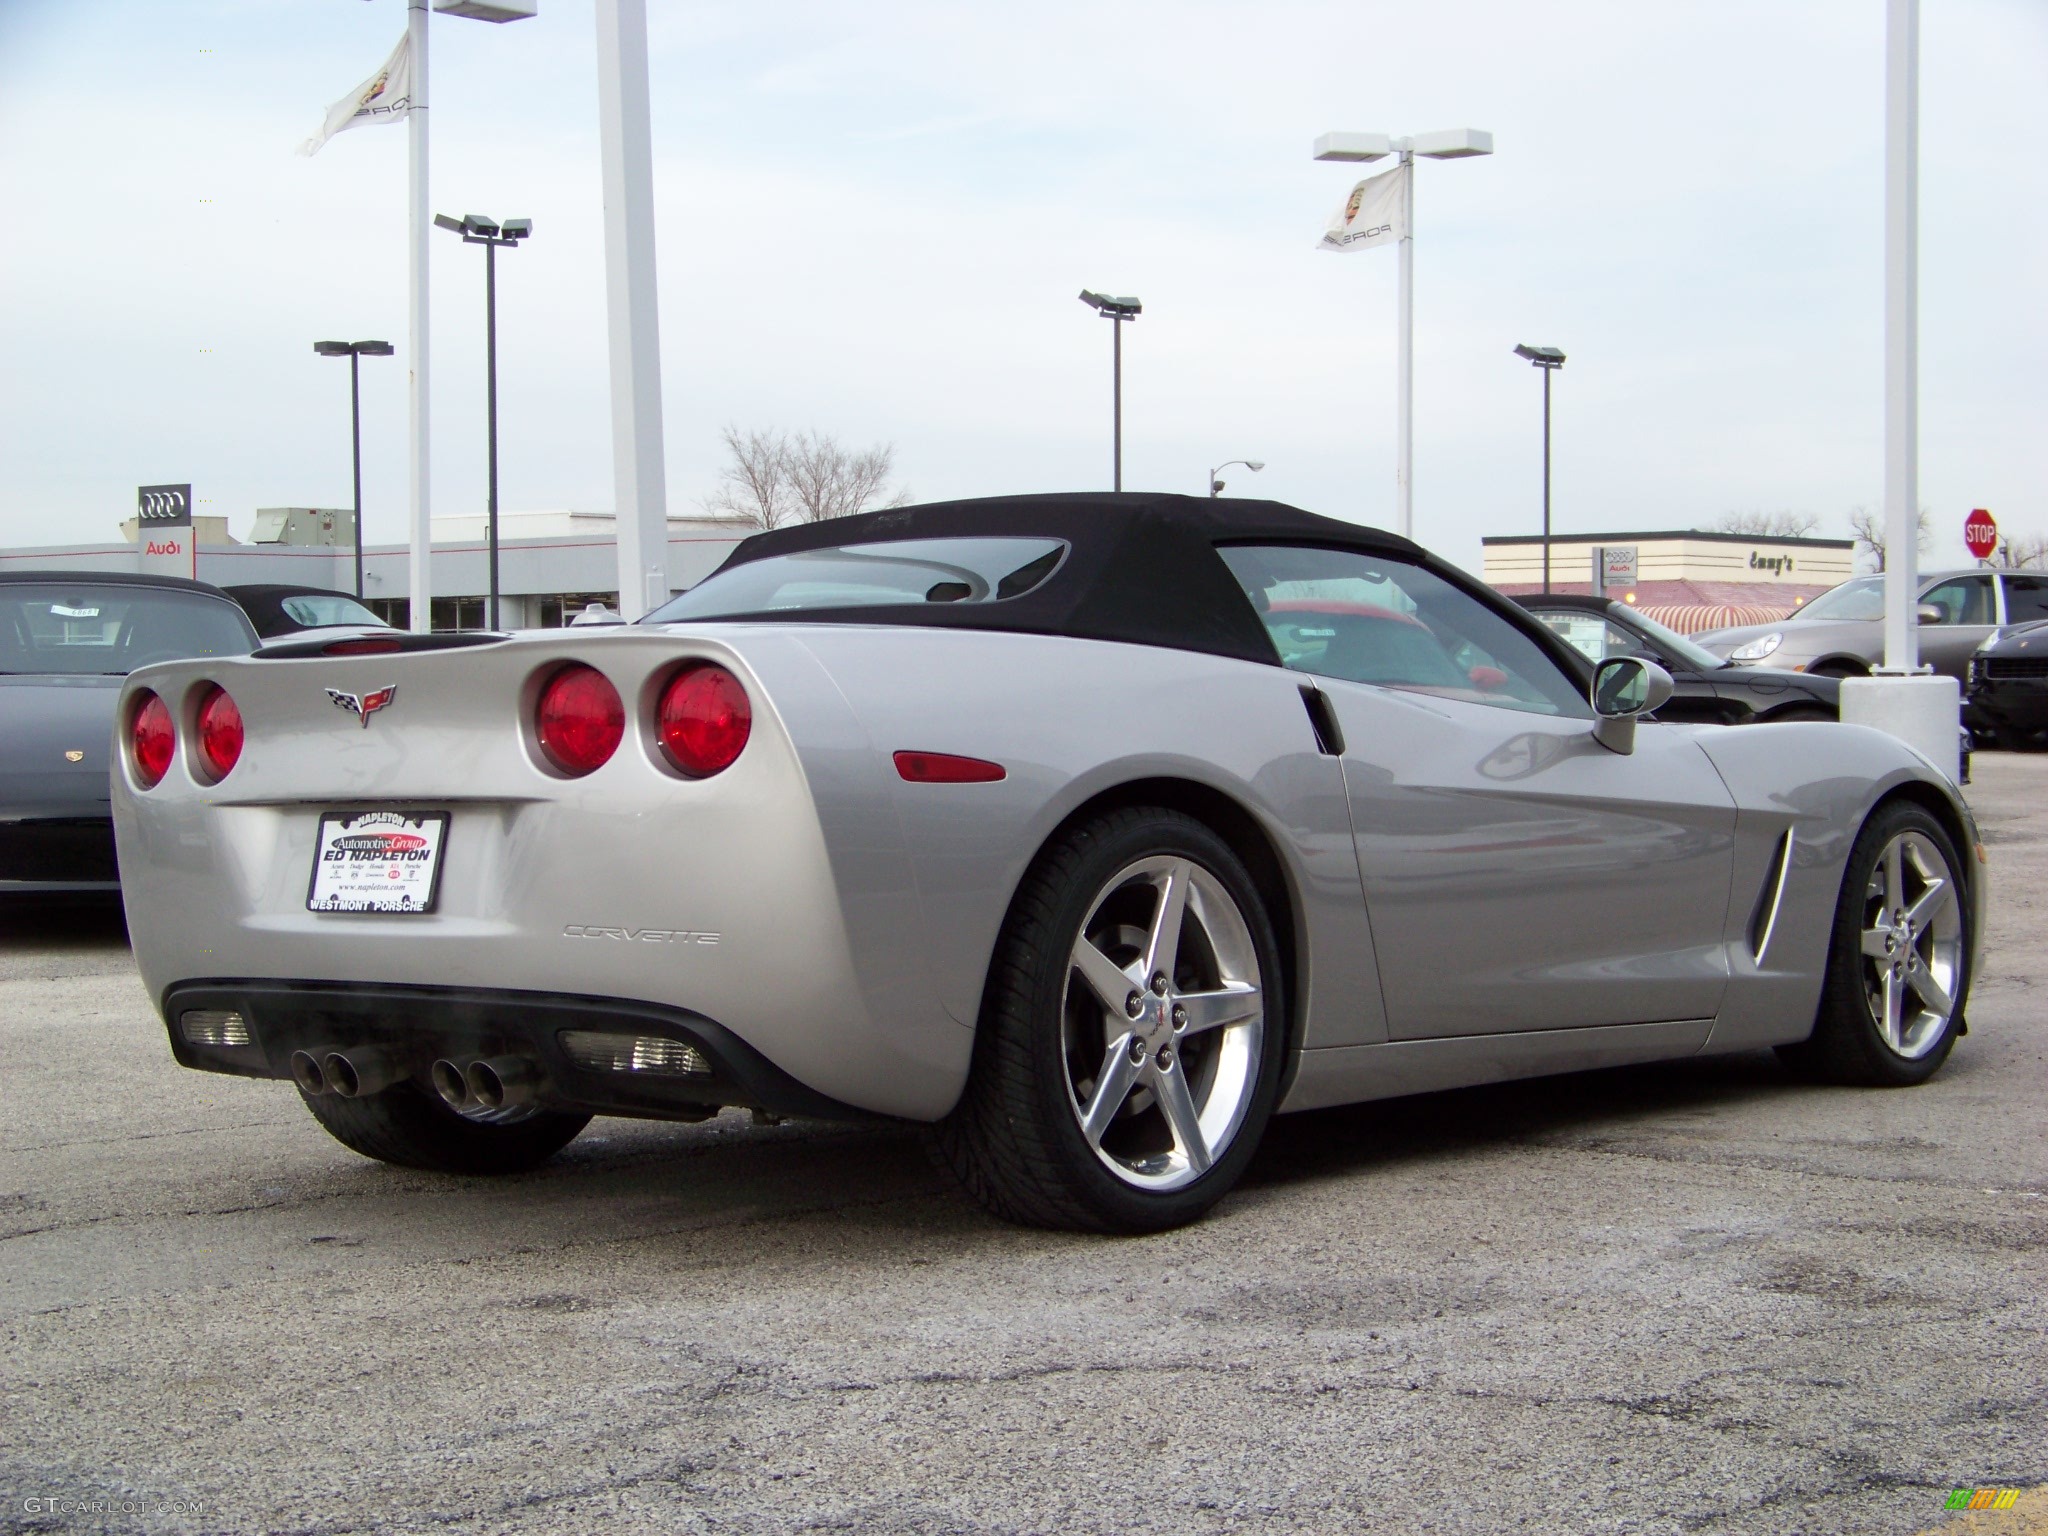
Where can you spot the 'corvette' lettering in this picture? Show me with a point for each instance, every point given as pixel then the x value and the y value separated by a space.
pixel 640 935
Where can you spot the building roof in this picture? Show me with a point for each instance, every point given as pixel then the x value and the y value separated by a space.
pixel 1715 536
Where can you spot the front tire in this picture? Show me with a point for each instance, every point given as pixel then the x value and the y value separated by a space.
pixel 411 1128
pixel 1132 1034
pixel 1898 961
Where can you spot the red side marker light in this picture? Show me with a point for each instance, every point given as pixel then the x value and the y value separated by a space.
pixel 945 768
pixel 152 740
pixel 220 732
pixel 704 719
pixel 580 721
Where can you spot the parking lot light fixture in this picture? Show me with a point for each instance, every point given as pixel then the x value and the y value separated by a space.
pixel 353 350
pixel 1117 311
pixel 1549 360
pixel 1216 486
pixel 475 229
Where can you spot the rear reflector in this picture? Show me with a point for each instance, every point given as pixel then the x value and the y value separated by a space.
pixel 220 732
pixel 153 740
pixel 945 768
pixel 213 1026
pixel 648 1055
pixel 580 720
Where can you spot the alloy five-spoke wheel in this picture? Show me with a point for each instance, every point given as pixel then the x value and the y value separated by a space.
pixel 1898 969
pixel 1912 944
pixel 1132 1031
pixel 1164 1023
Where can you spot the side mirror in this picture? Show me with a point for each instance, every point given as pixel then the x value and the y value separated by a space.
pixel 1623 688
pixel 1931 613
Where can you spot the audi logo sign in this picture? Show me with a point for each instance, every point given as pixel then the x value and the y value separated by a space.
pixel 164 506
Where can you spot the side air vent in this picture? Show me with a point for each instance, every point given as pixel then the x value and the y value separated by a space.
pixel 1323 718
pixel 1764 920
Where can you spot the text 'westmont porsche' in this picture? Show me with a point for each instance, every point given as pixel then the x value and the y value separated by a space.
pixel 1091 830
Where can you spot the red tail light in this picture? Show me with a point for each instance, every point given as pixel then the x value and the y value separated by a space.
pixel 580 721
pixel 945 768
pixel 152 740
pixel 220 732
pixel 704 720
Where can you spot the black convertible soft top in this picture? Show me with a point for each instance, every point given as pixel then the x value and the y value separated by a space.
pixel 1142 566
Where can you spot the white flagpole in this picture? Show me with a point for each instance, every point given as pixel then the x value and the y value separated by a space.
pixel 418 222
pixel 1404 462
pixel 625 141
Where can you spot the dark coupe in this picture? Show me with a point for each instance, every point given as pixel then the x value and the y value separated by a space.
pixel 1706 689
pixel 2007 703
pixel 66 642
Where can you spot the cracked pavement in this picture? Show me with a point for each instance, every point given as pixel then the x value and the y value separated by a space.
pixel 1697 1297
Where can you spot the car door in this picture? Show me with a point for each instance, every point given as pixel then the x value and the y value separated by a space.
pixel 1969 609
pixel 1517 874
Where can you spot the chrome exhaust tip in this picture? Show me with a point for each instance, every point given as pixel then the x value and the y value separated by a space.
pixel 450 1084
pixel 359 1074
pixel 307 1074
pixel 503 1082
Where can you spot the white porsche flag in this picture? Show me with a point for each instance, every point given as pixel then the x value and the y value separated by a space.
pixel 1376 213
pixel 383 98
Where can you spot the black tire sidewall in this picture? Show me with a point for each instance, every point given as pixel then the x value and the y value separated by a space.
pixel 1847 1037
pixel 1107 848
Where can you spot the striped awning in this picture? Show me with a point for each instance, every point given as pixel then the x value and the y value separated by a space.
pixel 1692 618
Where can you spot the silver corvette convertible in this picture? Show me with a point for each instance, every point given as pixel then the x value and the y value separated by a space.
pixel 1091 831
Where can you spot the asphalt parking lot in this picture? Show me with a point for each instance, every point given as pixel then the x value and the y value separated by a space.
pixel 1699 1297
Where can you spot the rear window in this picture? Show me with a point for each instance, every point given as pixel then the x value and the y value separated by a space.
pixel 113 629
pixel 318 610
pixel 896 574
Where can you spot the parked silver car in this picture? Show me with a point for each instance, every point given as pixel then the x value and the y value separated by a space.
pixel 1090 830
pixel 1841 632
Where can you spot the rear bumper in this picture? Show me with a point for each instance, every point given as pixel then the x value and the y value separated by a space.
pixel 57 851
pixel 417 1025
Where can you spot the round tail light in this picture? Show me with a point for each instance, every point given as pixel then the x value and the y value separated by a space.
pixel 704 720
pixel 580 720
pixel 220 732
pixel 152 740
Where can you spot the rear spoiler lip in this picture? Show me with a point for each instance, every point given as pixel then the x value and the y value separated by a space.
pixel 397 642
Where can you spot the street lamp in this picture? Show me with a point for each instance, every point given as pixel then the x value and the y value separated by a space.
pixel 475 229
pixel 1449 144
pixel 353 350
pixel 1549 360
pixel 1116 311
pixel 1216 486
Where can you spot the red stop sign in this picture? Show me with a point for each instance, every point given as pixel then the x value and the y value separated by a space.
pixel 1980 532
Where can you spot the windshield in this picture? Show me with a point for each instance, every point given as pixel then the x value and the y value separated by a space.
pixel 1860 601
pixel 317 611
pixel 1670 640
pixel 894 574
pixel 112 630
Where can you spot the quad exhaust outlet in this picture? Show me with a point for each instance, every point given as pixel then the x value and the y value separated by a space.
pixel 502 1082
pixel 354 1074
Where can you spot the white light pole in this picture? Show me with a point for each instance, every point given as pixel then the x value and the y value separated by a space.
pixel 1904 698
pixel 1448 144
pixel 625 142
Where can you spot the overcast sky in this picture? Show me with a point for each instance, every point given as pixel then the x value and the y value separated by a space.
pixel 873 221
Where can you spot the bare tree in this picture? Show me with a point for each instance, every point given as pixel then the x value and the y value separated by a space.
pixel 1868 527
pixel 1769 525
pixel 772 479
pixel 2022 553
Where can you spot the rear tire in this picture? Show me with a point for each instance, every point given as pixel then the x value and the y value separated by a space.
pixel 411 1128
pixel 1891 1006
pixel 1837 669
pixel 1082 1114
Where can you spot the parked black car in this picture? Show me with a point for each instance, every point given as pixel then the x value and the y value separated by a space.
pixel 278 610
pixel 2007 701
pixel 1707 688
pixel 67 639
